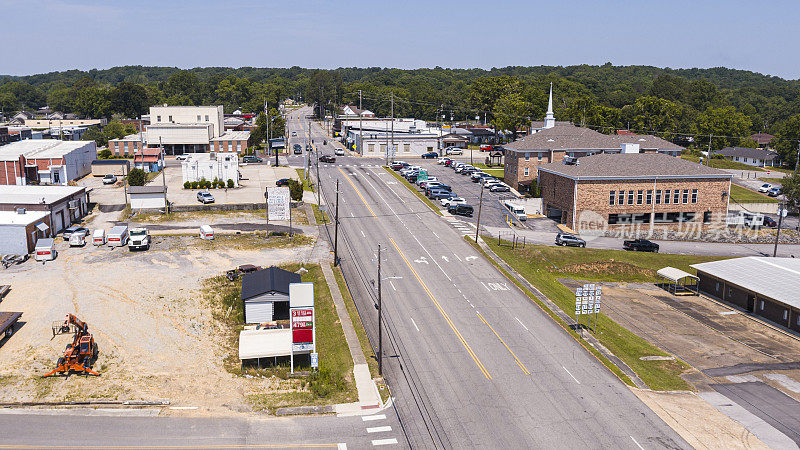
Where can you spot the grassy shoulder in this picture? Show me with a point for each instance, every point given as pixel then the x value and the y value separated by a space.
pixel 535 263
pixel 744 195
pixel 320 216
pixel 307 186
pixel 333 383
pixel 722 163
pixel 251 241
pixel 191 216
pixel 357 324
pixel 414 190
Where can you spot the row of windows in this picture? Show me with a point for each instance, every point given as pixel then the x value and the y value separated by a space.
pixel 641 196
pixel 406 148
pixel 667 217
pixel 528 157
pixel 158 118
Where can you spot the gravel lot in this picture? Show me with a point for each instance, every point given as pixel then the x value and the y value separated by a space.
pixel 155 334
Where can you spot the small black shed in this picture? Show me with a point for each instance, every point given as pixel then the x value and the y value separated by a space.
pixel 265 294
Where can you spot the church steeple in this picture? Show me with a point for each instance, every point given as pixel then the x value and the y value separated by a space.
pixel 549 118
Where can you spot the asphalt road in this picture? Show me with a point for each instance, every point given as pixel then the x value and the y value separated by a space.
pixel 470 360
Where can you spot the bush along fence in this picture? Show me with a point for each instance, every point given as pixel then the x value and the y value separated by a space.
pixel 205 184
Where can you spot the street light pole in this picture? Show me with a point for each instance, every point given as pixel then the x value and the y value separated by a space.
pixel 336 229
pixel 380 322
pixel 480 206
pixel 778 234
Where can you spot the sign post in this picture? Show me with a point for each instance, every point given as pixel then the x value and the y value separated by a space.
pixel 278 203
pixel 587 302
pixel 302 322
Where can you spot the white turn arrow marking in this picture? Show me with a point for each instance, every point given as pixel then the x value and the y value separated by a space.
pixel 421 260
pixel 471 257
pixel 445 259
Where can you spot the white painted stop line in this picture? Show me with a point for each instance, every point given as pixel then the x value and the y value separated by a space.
pixel 377 442
pixel 373 417
pixel 379 429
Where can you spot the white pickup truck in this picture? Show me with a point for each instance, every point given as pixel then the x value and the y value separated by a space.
pixel 138 239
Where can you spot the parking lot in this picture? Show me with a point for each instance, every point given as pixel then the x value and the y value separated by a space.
pixel 155 331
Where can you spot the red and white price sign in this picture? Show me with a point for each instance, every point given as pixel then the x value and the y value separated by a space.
pixel 302 323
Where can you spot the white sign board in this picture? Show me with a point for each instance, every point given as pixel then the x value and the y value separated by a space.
pixel 278 203
pixel 587 299
pixel 314 360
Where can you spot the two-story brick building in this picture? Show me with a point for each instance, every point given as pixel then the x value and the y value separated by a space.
pixel 647 190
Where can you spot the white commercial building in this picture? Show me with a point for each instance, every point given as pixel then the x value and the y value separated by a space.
pixel 147 197
pixel 64 205
pixel 186 129
pixel 222 166
pixel 45 161
pixel 20 229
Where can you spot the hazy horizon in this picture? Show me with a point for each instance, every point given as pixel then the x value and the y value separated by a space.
pixel 59 35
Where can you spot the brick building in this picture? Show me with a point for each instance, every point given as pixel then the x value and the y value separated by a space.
pixel 766 287
pixel 643 190
pixel 45 161
pixel 565 141
pixel 63 205
pixel 126 146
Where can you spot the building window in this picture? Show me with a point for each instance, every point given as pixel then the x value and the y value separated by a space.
pixel 694 195
pixel 676 196
pixel 622 219
pixel 527 156
pixel 630 197
pixel 198 118
pixel 527 171
pixel 785 314
pixel 798 319
pixel 170 119
pixel 685 196
pixel 206 118
pixel 667 196
pixel 158 118
pixel 649 198
pixel 658 197
pixel 762 305
pixel 371 148
pixel 639 196
pixel 621 198
pixel 238 146
pixel 407 148
pixel 383 149
pixel 539 156
pixel 673 217
pixel 716 289
pixel 707 216
pixel 611 197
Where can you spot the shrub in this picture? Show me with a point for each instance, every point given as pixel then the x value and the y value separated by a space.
pixel 195 184
pixel 104 154
pixel 137 177
pixel 231 183
pixel 220 184
pixel 187 185
pixel 295 190
pixel 215 182
pixel 325 382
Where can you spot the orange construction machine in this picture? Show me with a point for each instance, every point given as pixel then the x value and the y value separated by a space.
pixel 81 353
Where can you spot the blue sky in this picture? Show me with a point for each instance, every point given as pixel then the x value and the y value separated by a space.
pixel 43 36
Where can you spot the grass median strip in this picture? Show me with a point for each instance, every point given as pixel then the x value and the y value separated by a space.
pixel 416 192
pixel 744 195
pixel 536 264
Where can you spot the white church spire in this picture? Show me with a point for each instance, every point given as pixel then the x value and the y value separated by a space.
pixel 549 118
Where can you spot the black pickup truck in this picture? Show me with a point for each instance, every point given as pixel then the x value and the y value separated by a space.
pixel 640 245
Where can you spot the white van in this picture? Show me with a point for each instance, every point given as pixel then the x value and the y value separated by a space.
pixel 118 236
pixel 99 237
pixel 45 250
pixel 206 232
pixel 77 239
pixel 516 210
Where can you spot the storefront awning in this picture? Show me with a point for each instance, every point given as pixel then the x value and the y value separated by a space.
pixel 42 227
pixel 674 274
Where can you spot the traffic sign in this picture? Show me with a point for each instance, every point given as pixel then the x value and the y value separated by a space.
pixel 314 360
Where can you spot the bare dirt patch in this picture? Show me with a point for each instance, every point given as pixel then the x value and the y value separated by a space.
pixel 607 267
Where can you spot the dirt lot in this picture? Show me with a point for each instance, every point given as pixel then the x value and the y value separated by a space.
pixel 155 333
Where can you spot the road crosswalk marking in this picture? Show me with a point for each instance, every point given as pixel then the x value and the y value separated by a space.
pixel 377 442
pixel 379 429
pixel 373 417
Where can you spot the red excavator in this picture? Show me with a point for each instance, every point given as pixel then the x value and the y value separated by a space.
pixel 81 353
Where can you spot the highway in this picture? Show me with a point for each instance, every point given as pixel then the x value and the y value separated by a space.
pixel 471 361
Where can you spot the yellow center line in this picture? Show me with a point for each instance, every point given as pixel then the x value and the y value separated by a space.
pixel 357 192
pixel 443 313
pixel 519 363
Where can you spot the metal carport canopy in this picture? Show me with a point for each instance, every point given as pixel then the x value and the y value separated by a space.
pixel 265 343
pixel 674 274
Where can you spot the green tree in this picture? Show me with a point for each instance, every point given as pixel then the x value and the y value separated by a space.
pixel 183 83
pixel 726 126
pixel 137 177
pixel 295 190
pixel 92 101
pixel 129 99
pixel 655 115
pixel 8 101
pixel 512 112
pixel 115 130
pixel 104 153
pixel 791 189
pixel 787 140
pixel 94 134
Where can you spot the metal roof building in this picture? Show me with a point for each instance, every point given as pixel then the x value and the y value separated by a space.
pixel 767 287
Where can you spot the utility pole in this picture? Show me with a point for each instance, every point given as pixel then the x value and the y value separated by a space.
pixel 380 314
pixel 708 158
pixel 480 206
pixel 797 159
pixel 781 211
pixel 319 180
pixel 391 147
pixel 163 176
pixel 266 113
pixel 336 229
pixel 360 126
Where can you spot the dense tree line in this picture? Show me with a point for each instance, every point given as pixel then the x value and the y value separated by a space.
pixel 721 105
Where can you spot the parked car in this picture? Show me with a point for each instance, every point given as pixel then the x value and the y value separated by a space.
pixel 500 187
pixel 74 229
pixel 449 163
pixel 429 180
pixel 440 194
pixel 455 151
pixel 398 165
pixel 251 159
pixel 339 152
pixel 452 201
pixel 640 245
pixel 282 182
pixel 183 157
pixel 764 188
pixel 78 238
pixel 488 181
pixel 429 155
pixel 461 209
pixel 205 197
pixel 775 191
pixel 109 179
pixel 476 177
pixel 569 240
pixel 138 239
pixel 770 222
pixel 327 158
pixel 442 160
pixel 294 133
